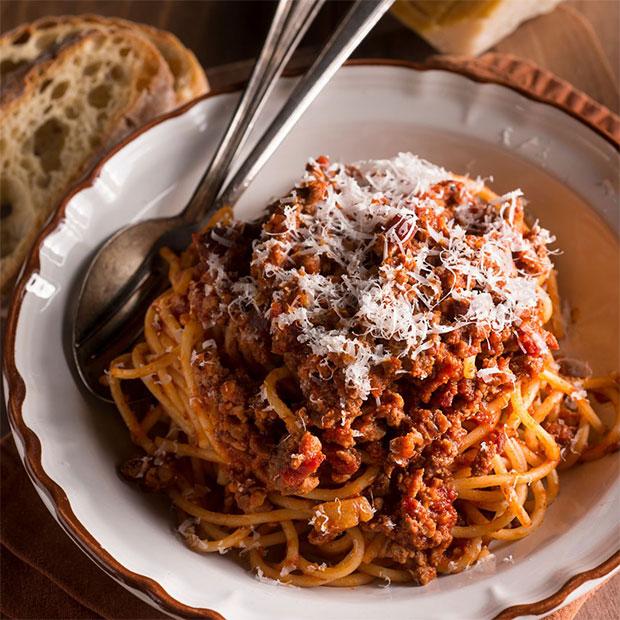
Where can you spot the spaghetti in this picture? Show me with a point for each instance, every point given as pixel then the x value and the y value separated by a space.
pixel 361 385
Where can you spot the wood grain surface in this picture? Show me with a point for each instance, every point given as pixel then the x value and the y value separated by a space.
pixel 579 42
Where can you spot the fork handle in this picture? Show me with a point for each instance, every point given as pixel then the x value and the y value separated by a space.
pixel 360 19
pixel 290 22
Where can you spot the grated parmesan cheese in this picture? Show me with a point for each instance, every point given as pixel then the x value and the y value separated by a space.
pixel 188 526
pixel 486 374
pixel 382 223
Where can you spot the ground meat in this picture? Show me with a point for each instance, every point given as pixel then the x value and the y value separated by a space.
pixel 564 428
pixel 369 428
pixel 339 435
pixel 292 469
pixel 249 496
pixel 482 464
pixel 328 402
pixel 151 474
pixel 561 432
pixel 493 444
pixel 391 408
pixel 419 531
pixel 343 463
pixel 446 371
pixel 265 296
pixel 404 447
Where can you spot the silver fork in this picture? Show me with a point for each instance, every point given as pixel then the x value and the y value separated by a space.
pixel 125 275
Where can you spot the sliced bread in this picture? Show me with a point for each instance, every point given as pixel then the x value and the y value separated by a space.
pixel 25 43
pixel 58 113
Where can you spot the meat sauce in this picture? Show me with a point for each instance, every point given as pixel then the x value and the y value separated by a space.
pixel 405 411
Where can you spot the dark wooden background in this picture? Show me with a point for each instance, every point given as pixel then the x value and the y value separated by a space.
pixel 579 41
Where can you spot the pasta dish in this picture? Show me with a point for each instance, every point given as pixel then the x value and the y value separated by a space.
pixel 364 383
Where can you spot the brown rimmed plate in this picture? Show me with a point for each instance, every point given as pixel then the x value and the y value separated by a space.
pixel 566 165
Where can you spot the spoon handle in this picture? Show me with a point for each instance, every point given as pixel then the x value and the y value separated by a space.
pixel 290 22
pixel 360 19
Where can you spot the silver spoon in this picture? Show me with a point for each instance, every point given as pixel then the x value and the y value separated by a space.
pixel 125 274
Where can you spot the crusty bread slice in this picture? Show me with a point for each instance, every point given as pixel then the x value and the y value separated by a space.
pixel 78 98
pixel 189 77
pixel 26 42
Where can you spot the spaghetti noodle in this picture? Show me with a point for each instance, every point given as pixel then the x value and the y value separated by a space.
pixel 361 385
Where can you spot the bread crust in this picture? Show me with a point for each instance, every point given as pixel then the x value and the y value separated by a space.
pixel 149 93
pixel 29 54
pixel 189 78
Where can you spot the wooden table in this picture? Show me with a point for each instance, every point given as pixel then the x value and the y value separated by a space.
pixel 578 41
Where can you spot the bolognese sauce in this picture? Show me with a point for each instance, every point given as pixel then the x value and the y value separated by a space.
pixel 370 356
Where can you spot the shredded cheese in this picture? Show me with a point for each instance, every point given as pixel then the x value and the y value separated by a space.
pixel 398 253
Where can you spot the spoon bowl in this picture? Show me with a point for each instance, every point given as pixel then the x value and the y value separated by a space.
pixel 125 275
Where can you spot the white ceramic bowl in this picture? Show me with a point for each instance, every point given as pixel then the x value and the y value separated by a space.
pixel 71 446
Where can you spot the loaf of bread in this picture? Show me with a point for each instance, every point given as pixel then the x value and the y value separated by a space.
pixel 71 88
pixel 467 26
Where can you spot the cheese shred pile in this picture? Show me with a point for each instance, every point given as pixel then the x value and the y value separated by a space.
pixel 392 240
